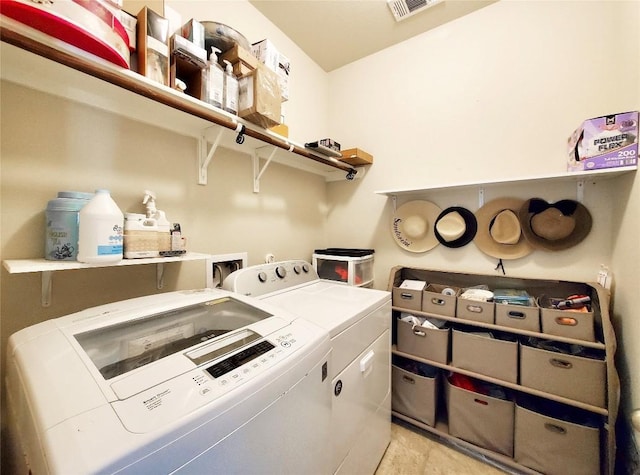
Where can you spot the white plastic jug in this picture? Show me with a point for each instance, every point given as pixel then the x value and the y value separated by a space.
pixel 140 236
pixel 100 230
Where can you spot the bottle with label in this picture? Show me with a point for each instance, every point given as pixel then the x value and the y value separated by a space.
pixel 163 224
pixel 101 224
pixel 230 90
pixel 140 236
pixel 61 242
pixel 213 80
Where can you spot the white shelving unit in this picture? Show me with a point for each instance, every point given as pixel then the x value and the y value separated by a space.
pixel 579 178
pixel 38 61
pixel 47 268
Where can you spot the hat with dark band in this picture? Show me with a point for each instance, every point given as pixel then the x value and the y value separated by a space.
pixel 554 226
pixel 455 227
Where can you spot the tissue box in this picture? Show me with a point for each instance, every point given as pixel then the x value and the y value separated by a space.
pixel 604 142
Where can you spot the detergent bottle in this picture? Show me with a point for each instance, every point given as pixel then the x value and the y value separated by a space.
pixel 100 233
pixel 163 225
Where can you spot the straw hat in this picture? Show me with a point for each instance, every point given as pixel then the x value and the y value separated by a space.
pixel 499 231
pixel 455 227
pixel 554 226
pixel 412 225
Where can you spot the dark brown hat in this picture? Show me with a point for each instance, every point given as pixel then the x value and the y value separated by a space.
pixel 554 226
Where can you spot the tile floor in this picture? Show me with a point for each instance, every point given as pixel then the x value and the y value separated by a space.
pixel 413 451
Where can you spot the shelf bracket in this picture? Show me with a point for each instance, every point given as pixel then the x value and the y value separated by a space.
pixel 580 191
pixel 159 275
pixel 394 203
pixel 205 156
pixel 480 197
pixel 47 277
pixel 257 172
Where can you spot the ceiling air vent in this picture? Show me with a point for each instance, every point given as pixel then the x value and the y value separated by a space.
pixel 402 9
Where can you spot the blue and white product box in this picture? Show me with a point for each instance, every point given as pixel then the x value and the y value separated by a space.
pixel 604 142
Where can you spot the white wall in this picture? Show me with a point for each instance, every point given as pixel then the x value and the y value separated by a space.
pixel 494 95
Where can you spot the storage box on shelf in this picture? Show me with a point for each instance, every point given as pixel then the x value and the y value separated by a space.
pixel 349 266
pixel 511 348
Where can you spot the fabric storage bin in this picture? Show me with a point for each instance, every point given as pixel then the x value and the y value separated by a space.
pixel 518 316
pixel 414 395
pixel 482 354
pixel 559 373
pixel 566 323
pixel 475 310
pixel 410 299
pixel 483 420
pixel 439 303
pixel 427 343
pixel 544 442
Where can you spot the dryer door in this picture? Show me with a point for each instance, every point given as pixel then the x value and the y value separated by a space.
pixel 361 414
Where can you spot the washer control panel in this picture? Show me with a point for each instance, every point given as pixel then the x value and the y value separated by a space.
pixel 267 278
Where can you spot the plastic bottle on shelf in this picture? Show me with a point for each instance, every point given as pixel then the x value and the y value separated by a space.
pixel 231 90
pixel 214 80
pixel 140 236
pixel 101 222
pixel 163 224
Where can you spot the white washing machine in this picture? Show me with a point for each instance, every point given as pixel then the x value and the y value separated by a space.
pixel 197 382
pixel 358 321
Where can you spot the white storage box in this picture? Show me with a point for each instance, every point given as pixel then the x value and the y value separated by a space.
pixel 350 266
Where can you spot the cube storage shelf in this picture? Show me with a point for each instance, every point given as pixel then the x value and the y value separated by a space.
pixel 463 416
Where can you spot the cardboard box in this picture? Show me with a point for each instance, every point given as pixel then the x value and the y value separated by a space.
pixel 414 395
pixel 266 52
pixel 428 343
pixel 260 97
pixel 482 420
pixel 604 142
pixel 554 446
pixel 434 301
pixel 481 354
pixel 557 373
pixel 355 156
pixel 153 46
pixel 242 60
pixel 280 129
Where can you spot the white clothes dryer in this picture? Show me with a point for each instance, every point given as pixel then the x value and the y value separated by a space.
pixel 358 322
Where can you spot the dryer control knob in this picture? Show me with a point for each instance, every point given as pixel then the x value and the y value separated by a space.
pixel 262 276
pixel 296 269
pixel 305 268
pixel 281 272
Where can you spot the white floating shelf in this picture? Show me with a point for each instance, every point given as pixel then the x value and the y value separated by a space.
pixel 23 266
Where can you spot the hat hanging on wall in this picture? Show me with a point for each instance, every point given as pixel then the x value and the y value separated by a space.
pixel 455 227
pixel 499 233
pixel 554 226
pixel 412 225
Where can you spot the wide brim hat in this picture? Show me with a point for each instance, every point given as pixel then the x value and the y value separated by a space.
pixel 499 231
pixel 412 225
pixel 455 227
pixel 554 226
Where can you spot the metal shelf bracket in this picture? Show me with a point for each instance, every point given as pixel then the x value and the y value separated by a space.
pixel 47 277
pixel 205 155
pixel 159 275
pixel 257 172
pixel 580 191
